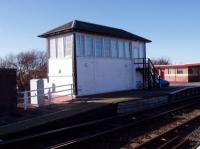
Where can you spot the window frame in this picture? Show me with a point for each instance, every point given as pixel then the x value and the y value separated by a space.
pixel 129 52
pixel 116 46
pixel 57 45
pixel 65 46
pixel 92 50
pixel 169 71
pixel 78 46
pixel 123 48
pixel 109 47
pixel 95 47
pixel 179 71
pixel 50 49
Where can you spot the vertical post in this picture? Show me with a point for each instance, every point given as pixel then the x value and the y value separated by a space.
pixel 53 88
pixel 49 96
pixel 72 91
pixel 149 74
pixel 74 68
pixel 37 92
pixel 159 81
pixel 144 72
pixel 25 100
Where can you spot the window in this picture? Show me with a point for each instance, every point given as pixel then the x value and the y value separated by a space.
pixel 191 71
pixel 68 46
pixel 169 71
pixel 114 48
pixel 53 48
pixel 127 49
pixel 133 51
pixel 80 45
pixel 121 48
pixel 88 46
pixel 137 52
pixel 98 47
pixel 179 71
pixel 142 50
pixel 60 47
pixel 106 47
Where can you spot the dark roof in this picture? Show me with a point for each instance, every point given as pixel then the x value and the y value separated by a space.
pixel 80 26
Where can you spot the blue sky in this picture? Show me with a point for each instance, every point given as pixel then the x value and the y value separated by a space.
pixel 172 25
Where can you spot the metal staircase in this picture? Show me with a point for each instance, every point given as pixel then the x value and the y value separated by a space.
pixel 151 77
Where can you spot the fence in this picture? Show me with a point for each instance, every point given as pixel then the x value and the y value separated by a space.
pixel 44 96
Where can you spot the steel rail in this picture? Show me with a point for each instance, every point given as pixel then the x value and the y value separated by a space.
pixel 174 143
pixel 48 134
pixel 79 140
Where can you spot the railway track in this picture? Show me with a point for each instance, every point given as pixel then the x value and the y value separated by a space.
pixel 70 136
pixel 174 138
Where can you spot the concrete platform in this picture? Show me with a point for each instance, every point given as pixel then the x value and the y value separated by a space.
pixel 40 116
pixel 118 97
pixel 189 84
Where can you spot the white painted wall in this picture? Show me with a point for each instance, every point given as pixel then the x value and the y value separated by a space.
pixel 101 75
pixel 60 71
pixel 105 74
pixel 94 74
pixel 60 66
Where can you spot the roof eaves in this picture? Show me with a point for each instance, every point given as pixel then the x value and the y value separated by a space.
pixel 58 29
pixel 76 25
pixel 73 24
pixel 137 37
pixel 55 33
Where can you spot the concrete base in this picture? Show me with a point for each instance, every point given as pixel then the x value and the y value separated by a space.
pixel 141 105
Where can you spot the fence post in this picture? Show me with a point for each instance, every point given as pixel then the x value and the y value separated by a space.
pixel 72 91
pixel 53 88
pixel 25 100
pixel 49 95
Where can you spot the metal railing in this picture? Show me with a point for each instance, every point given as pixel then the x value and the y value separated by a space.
pixel 25 96
pixel 139 60
pixel 151 77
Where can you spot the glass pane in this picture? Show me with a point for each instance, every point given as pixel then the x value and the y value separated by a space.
pixel 60 47
pixel 52 48
pixel 134 50
pixel 179 71
pixel 114 48
pixel 68 46
pixel 106 47
pixel 141 48
pixel 98 47
pixel 121 48
pixel 127 51
pixel 88 46
pixel 80 45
